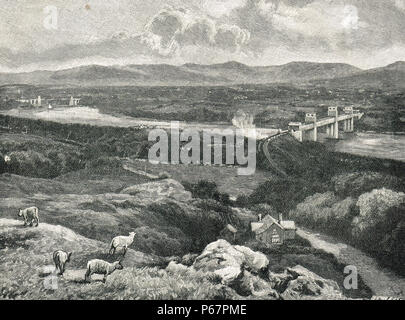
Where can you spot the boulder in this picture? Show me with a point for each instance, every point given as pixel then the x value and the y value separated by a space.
pixel 280 281
pixel 189 259
pixel 310 286
pixel 226 260
pixel 255 261
pixel 252 285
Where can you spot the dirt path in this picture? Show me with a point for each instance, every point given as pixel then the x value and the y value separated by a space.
pixel 382 282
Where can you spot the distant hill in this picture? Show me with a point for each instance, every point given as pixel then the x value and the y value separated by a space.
pixel 298 73
pixel 187 74
pixel 391 76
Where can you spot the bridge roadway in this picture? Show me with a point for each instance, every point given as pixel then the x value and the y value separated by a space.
pixel 329 121
pixel 309 130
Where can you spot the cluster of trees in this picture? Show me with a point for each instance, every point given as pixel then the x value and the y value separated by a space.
pixel 207 190
pixel 371 218
pixel 363 208
pixel 283 194
pixel 35 164
pixel 71 147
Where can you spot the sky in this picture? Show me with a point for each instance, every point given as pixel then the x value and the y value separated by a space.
pixel 59 34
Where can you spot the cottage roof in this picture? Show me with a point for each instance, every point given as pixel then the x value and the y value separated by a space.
pixel 268 221
pixel 256 225
pixel 288 225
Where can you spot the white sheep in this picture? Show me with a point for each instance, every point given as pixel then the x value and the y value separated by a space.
pixel 60 258
pixel 123 242
pixel 97 266
pixel 30 216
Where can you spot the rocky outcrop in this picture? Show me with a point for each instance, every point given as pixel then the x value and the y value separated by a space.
pixel 246 272
pixel 256 287
pixel 227 261
pixel 162 189
pixel 188 259
pixel 255 261
pixel 308 285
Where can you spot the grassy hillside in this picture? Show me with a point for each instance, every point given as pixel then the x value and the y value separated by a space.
pixel 313 161
pixel 101 207
pixel 26 266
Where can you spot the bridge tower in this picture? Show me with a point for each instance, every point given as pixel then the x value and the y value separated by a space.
pixel 349 123
pixel 333 129
pixel 295 130
pixel 311 118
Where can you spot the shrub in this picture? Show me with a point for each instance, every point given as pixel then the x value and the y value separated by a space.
pixel 207 190
pixel 164 175
pixel 355 184
pixel 374 207
pixel 326 212
pixel 201 226
pixel 31 164
pixel 284 193
pixel 149 240
pixel 380 226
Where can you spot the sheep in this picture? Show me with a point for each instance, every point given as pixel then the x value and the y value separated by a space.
pixel 121 241
pixel 30 216
pixel 97 266
pixel 60 258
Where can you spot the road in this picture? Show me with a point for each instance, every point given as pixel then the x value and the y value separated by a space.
pixel 382 282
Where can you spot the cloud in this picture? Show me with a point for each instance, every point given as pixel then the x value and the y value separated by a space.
pixel 338 26
pixel 318 18
pixel 400 4
pixel 231 37
pixel 199 32
pixel 172 29
pixel 203 31
pixel 219 8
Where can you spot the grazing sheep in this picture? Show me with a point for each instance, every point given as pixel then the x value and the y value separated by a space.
pixel 97 266
pixel 30 216
pixel 60 258
pixel 121 241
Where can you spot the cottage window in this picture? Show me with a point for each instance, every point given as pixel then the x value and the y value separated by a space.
pixel 275 238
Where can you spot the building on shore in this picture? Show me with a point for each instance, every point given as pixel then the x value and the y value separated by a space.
pixel 33 102
pixel 74 102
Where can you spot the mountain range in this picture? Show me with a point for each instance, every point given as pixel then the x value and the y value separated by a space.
pixel 297 73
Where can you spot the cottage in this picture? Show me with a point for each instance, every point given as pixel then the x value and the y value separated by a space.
pixel 272 231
